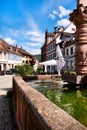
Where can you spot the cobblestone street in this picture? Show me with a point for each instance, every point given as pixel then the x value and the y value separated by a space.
pixel 7 121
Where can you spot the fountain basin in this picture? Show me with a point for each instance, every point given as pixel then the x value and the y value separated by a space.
pixel 35 112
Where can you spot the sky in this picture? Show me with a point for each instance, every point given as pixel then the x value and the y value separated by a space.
pixel 24 22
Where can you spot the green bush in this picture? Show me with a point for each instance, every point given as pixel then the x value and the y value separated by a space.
pixel 69 72
pixel 24 70
pixel 40 70
pixel 72 72
pixel 66 72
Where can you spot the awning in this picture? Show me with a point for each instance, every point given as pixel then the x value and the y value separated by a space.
pixel 49 63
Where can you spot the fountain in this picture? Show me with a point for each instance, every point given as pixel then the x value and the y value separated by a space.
pixel 79 18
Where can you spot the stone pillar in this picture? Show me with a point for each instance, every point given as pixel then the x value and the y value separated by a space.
pixel 79 18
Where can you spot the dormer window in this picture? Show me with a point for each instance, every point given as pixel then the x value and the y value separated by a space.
pixel 10 48
pixel 73 29
pixel 16 50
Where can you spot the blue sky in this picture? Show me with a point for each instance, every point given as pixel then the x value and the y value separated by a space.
pixel 24 22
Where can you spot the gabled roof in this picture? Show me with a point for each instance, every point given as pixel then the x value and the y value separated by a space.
pixel 7 47
pixel 13 49
pixel 2 47
pixel 69 43
pixel 3 42
pixel 70 29
pixel 57 35
pixel 24 52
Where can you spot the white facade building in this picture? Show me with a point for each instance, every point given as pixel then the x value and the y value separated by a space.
pixel 68 38
pixel 11 56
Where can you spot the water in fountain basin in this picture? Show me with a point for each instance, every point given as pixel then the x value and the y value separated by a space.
pixel 71 100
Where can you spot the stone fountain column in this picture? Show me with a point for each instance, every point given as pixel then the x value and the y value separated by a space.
pixel 79 18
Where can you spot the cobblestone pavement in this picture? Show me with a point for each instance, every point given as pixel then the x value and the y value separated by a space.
pixel 7 121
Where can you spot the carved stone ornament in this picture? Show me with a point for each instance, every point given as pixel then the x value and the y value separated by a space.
pixel 84 2
pixel 79 15
pixel 81 55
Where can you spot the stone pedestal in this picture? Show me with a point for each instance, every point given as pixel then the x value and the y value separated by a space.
pixel 79 18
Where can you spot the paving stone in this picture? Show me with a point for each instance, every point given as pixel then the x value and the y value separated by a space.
pixel 7 120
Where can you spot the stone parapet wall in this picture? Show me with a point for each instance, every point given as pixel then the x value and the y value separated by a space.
pixel 33 111
pixel 69 78
pixel 75 79
pixel 37 77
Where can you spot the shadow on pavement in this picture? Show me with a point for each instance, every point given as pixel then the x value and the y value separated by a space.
pixel 7 120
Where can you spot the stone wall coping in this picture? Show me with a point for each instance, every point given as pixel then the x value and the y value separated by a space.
pixel 50 114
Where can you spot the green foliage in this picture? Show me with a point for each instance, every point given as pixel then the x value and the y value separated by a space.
pixel 24 70
pixel 38 57
pixel 69 72
pixel 66 72
pixel 40 70
pixel 72 72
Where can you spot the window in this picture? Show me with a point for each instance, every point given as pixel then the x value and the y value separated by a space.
pixel 67 51
pixel 54 55
pixel 71 50
pixel 63 52
pixel 49 39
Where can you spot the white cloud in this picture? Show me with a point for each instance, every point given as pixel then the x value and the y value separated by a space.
pixel 34 51
pixel 34 33
pixel 36 39
pixel 63 22
pixel 63 11
pixel 32 24
pixel 52 16
pixel 55 12
pixel 30 40
pixel 33 44
pixel 46 6
pixel 10 41
pixel 13 32
pixel 33 48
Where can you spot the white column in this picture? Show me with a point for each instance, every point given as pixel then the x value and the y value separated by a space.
pixel 45 69
pixel 2 67
pixel 59 73
pixel 7 66
pixel 2 55
pixel 50 69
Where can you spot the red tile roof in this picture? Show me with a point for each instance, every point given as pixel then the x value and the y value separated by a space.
pixel 13 49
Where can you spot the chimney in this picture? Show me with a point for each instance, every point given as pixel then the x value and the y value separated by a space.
pixel 16 46
pixel 21 47
pixel 55 29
